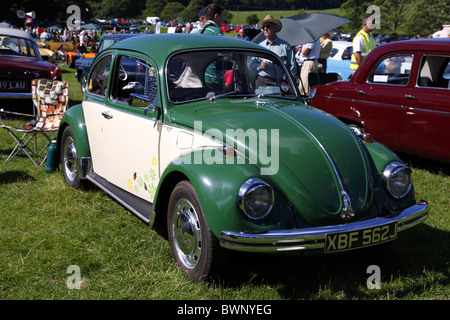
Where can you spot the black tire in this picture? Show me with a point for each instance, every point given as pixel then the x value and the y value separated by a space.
pixel 194 247
pixel 69 63
pixel 82 82
pixel 69 159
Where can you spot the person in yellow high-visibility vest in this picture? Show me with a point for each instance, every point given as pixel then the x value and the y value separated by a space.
pixel 363 43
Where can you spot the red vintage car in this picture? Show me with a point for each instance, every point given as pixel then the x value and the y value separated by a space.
pixel 225 28
pixel 20 62
pixel 400 94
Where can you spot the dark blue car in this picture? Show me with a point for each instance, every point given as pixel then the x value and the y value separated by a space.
pixel 82 65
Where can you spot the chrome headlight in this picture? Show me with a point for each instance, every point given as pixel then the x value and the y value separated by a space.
pixel 256 198
pixel 397 179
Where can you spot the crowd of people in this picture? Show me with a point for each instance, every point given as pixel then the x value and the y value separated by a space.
pixel 211 18
pixel 63 34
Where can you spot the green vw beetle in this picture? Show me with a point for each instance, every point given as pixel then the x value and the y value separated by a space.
pixel 210 135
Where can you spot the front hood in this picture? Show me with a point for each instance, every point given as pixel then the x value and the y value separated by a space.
pixel 24 67
pixel 311 156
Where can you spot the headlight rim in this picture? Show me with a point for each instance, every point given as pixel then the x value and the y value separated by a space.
pixel 251 185
pixel 389 171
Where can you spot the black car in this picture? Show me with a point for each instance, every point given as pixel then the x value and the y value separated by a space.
pixel 82 65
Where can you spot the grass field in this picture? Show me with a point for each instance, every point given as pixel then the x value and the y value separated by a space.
pixel 46 227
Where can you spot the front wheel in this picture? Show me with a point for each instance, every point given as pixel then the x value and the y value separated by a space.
pixel 194 246
pixel 357 129
pixel 69 159
pixel 82 82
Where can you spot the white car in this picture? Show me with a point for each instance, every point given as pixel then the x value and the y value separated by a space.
pixel 339 60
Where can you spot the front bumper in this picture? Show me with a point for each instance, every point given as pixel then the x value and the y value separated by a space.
pixel 315 238
pixel 15 95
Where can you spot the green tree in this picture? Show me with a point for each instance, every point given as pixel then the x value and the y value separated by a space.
pixel 355 10
pixel 392 14
pixel 252 19
pixel 154 8
pixel 428 16
pixel 192 10
pixel 172 10
pixel 109 9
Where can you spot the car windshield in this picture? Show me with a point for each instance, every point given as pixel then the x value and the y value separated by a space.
pixel 106 43
pixel 212 74
pixel 17 47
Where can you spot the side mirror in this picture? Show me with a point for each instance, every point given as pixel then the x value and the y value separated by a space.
pixel 311 96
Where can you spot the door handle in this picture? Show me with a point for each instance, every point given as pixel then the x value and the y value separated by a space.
pixel 410 97
pixel 106 115
pixel 361 92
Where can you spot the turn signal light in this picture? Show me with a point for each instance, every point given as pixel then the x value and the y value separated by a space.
pixel 366 137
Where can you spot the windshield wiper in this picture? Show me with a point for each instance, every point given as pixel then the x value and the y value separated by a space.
pixel 212 95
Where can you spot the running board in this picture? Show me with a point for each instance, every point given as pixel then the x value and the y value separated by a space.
pixel 139 207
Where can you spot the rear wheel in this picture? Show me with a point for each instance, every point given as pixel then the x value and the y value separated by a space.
pixel 194 246
pixel 69 159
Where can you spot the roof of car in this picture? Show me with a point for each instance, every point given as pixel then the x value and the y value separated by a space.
pixel 437 44
pixel 120 35
pixel 16 33
pixel 159 46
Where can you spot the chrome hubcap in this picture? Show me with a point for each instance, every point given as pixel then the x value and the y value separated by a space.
pixel 70 158
pixel 187 233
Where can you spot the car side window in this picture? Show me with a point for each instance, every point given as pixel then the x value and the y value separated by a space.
pixel 134 82
pixel 434 72
pixel 98 79
pixel 394 69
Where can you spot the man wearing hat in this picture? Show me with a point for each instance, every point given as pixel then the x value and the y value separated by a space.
pixel 282 48
pixel 201 18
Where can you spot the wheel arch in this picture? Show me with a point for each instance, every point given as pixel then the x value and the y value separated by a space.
pixel 216 186
pixel 161 204
pixel 74 119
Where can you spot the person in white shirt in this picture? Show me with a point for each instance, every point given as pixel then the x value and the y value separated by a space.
pixel 310 54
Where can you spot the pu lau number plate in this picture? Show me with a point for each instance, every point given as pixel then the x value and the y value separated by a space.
pixel 13 86
pixel 360 238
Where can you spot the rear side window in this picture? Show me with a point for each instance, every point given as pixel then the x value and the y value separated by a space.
pixel 394 69
pixel 434 72
pixel 98 79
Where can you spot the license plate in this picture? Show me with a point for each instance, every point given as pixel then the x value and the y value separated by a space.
pixel 360 238
pixel 13 86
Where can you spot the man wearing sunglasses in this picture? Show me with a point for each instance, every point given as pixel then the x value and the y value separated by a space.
pixel 282 48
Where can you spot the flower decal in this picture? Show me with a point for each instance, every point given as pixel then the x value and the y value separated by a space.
pixel 152 191
pixel 145 182
pixel 152 174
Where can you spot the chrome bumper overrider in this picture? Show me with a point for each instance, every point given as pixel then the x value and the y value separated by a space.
pixel 84 167
pixel 314 238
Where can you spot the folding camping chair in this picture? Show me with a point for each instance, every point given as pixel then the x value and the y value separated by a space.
pixel 50 97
